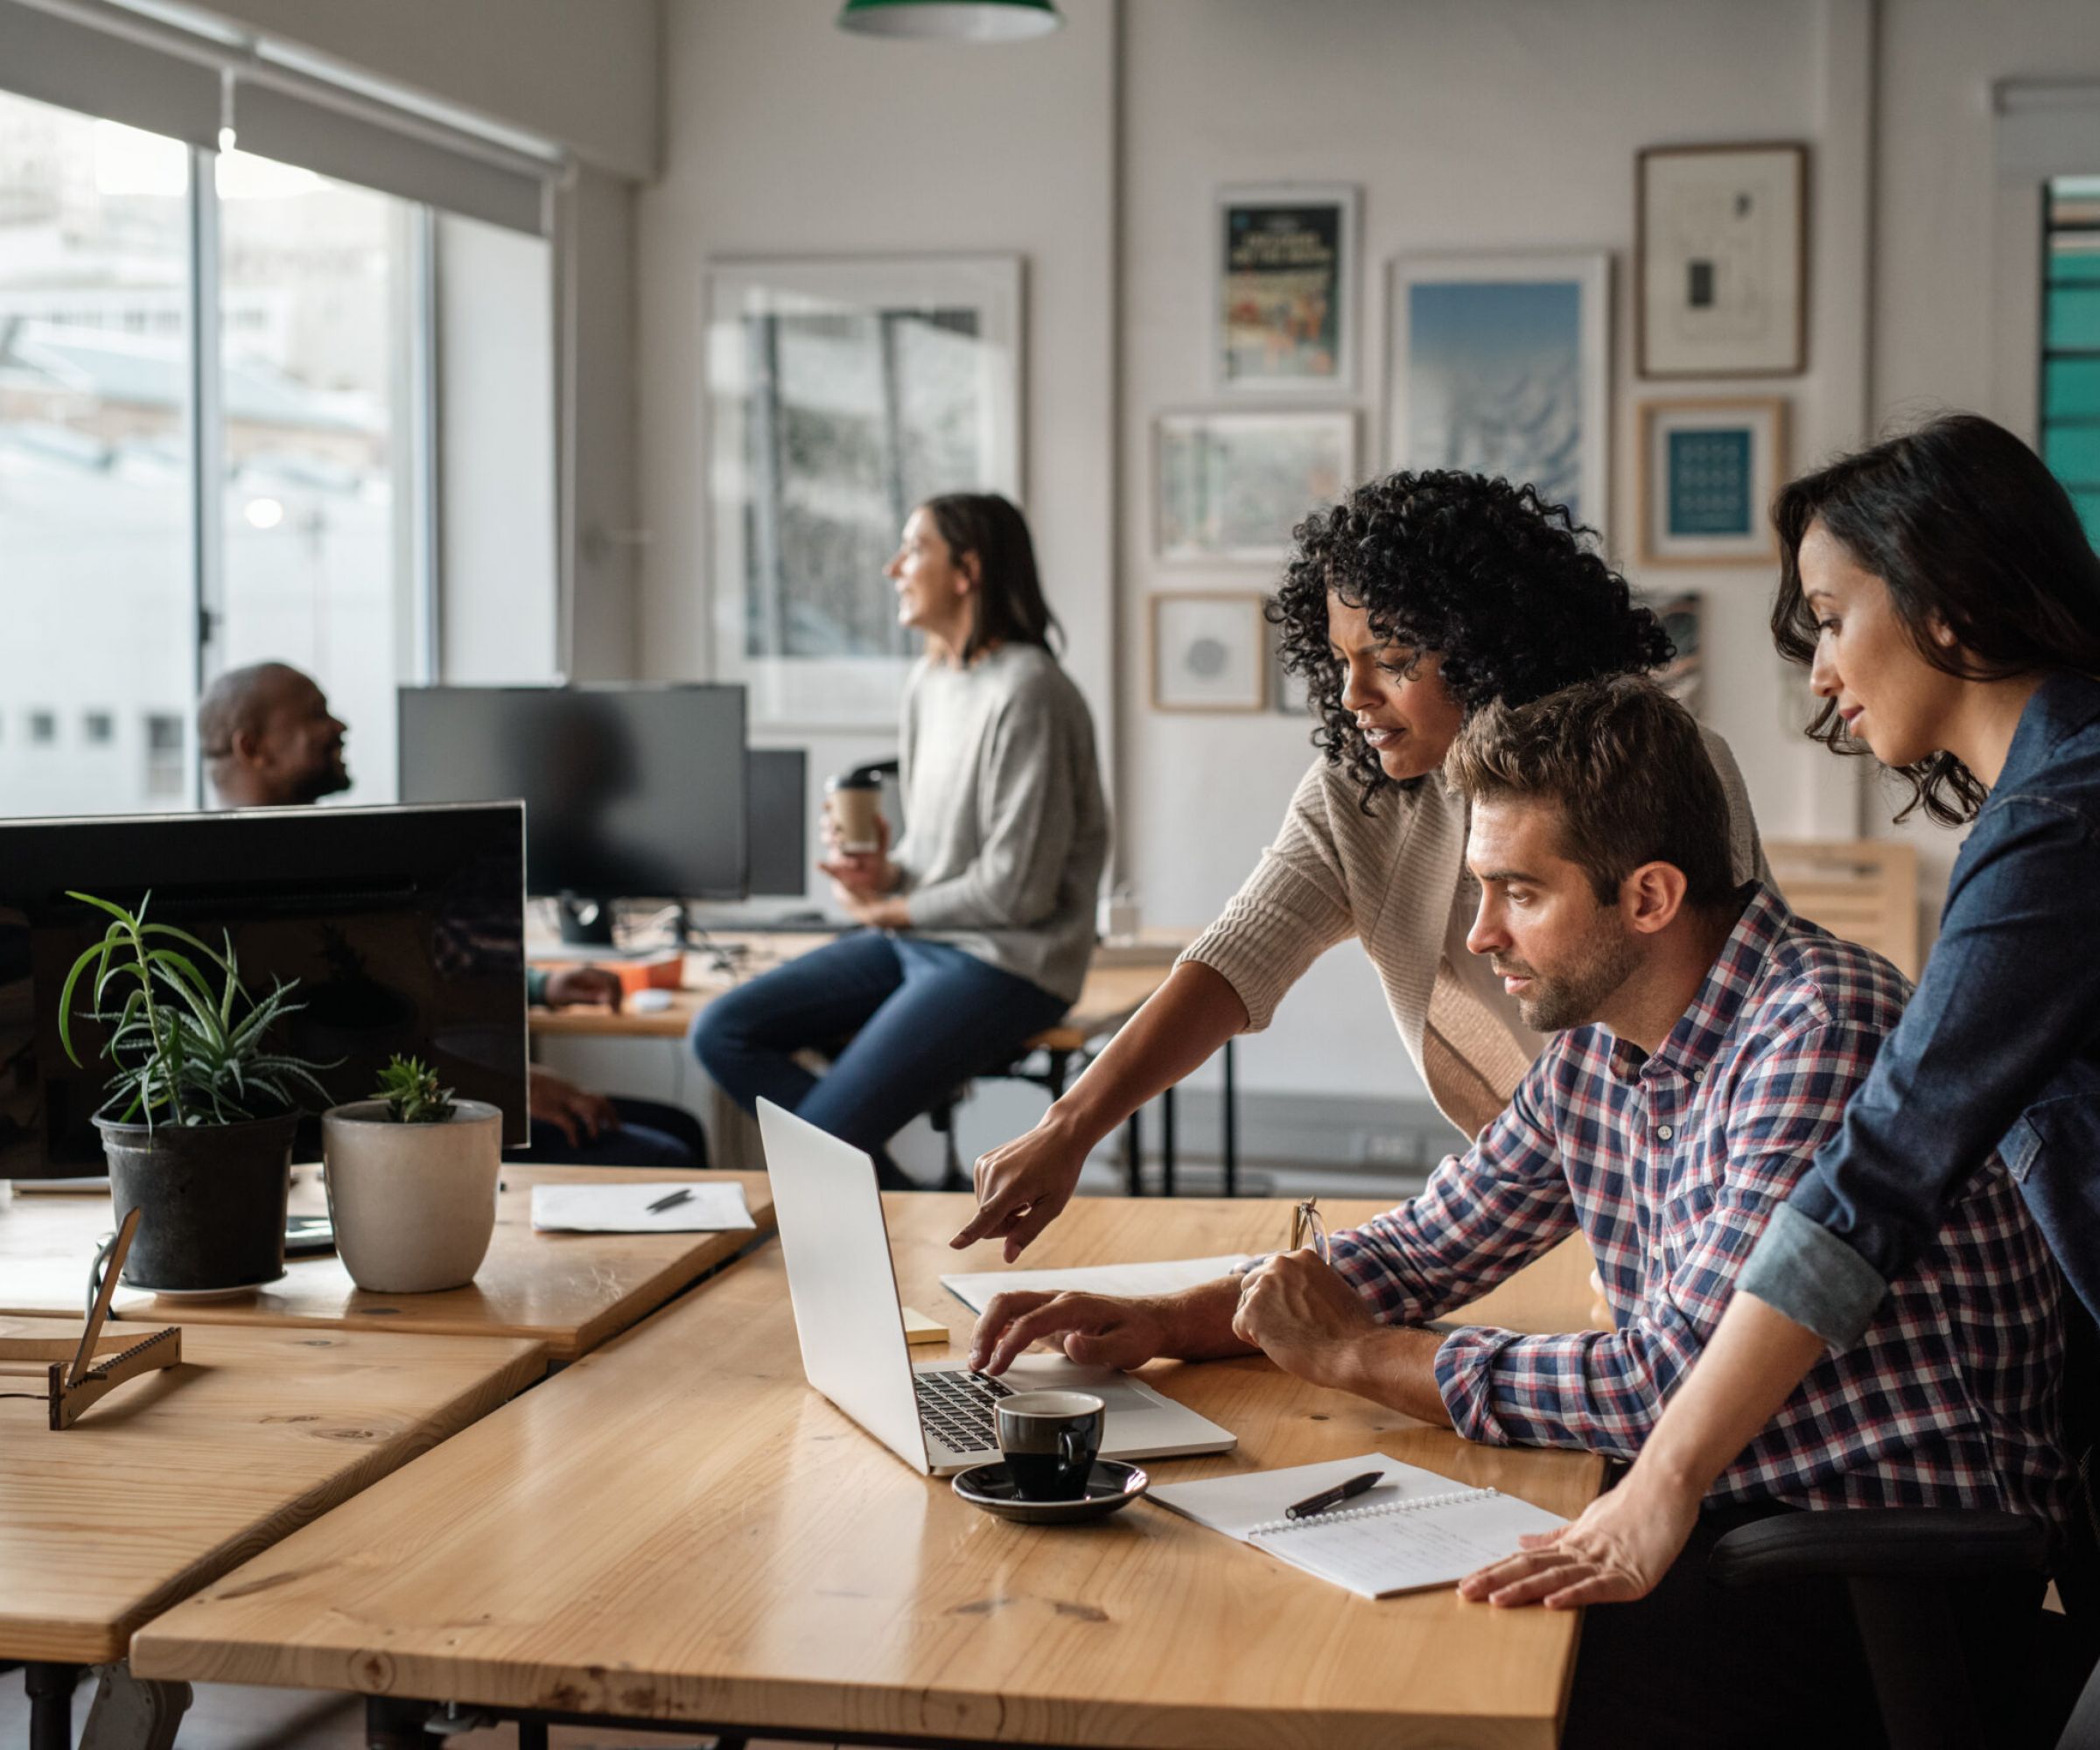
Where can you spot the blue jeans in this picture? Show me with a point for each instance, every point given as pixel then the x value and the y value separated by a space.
pixel 903 1021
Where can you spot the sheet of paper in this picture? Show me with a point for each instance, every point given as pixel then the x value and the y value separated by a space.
pixel 1237 1503
pixel 975 1291
pixel 1382 1555
pixel 713 1208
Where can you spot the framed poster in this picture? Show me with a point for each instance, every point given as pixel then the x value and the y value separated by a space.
pixel 1210 652
pixel 1708 470
pixel 842 393
pixel 1283 313
pixel 1721 285
pixel 1231 486
pixel 1683 618
pixel 1500 365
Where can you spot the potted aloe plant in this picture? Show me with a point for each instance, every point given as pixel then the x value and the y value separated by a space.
pixel 198 1127
pixel 411 1179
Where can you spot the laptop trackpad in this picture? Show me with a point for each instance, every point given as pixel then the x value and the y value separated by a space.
pixel 1054 1373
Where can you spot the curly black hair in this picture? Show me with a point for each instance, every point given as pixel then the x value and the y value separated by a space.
pixel 1496 579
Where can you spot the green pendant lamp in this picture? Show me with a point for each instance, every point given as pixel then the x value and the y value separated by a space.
pixel 951 21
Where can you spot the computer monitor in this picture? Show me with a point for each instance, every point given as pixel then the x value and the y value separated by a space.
pixel 630 791
pixel 777 833
pixel 405 928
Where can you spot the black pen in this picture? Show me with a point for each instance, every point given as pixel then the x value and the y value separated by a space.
pixel 1334 1497
pixel 682 1195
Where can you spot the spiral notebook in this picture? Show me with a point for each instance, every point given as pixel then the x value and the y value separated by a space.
pixel 1412 1531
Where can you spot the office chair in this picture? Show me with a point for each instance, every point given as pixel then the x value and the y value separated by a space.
pixel 1947 1678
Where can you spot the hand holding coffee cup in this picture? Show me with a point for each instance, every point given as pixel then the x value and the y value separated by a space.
pixel 1050 1441
pixel 854 800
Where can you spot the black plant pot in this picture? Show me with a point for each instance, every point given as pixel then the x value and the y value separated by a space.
pixel 212 1198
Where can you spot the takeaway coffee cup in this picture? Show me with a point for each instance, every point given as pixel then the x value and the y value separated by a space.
pixel 855 798
pixel 1050 1439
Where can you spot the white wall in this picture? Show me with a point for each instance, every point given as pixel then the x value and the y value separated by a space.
pixel 787 136
pixel 1493 125
pixel 1951 274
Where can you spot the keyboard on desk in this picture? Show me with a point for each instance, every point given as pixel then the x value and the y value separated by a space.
pixel 955 1408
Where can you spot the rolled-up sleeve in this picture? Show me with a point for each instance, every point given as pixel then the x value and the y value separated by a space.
pixel 2007 998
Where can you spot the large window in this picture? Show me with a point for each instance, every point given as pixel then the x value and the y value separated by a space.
pixel 96 572
pixel 168 313
pixel 2070 359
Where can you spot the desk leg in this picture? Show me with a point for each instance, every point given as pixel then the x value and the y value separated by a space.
pixel 50 1688
pixel 394 1724
pixel 133 1714
pixel 1232 1130
pixel 1166 1144
pixel 1133 1155
pixel 532 1734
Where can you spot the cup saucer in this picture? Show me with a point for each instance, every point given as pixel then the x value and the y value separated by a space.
pixel 1110 1488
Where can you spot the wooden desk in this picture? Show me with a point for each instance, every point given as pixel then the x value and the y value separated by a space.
pixel 568 1290
pixel 171 1480
pixel 679 1530
pixel 1119 983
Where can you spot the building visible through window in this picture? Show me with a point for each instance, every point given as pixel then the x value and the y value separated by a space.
pixel 99 727
pixel 43 726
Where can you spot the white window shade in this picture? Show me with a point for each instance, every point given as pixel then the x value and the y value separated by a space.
pixel 292 130
pixel 168 81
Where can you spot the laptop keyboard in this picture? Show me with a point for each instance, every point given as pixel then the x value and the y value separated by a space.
pixel 955 1409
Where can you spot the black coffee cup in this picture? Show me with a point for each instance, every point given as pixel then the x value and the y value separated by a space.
pixel 1050 1439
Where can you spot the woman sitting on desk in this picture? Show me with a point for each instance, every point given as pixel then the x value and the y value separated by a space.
pixel 1416 599
pixel 981 923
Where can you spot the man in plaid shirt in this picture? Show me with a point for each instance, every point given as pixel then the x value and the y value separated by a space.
pixel 1706 1042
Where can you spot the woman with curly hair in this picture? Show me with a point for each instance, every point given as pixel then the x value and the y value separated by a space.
pixel 1418 599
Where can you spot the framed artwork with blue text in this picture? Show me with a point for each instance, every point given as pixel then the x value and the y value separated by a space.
pixel 1500 365
pixel 1708 470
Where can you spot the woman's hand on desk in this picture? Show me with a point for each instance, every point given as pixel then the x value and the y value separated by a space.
pixel 578 1113
pixel 1616 1552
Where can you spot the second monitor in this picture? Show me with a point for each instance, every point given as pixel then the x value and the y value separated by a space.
pixel 630 791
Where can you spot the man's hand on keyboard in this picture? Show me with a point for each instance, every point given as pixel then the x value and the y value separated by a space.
pixel 1098 1329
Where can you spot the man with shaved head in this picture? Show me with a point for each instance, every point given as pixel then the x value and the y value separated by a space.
pixel 268 741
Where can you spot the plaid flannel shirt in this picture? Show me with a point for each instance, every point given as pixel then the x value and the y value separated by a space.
pixel 1671 1165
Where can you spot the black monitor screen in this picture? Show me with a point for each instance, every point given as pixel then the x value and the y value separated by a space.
pixel 405 928
pixel 629 791
pixel 779 817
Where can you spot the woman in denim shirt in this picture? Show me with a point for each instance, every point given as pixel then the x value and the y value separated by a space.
pixel 1947 601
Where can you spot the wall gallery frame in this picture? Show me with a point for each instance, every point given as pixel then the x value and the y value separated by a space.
pixel 1283 304
pixel 1230 487
pixel 1502 365
pixel 1721 281
pixel 1708 470
pixel 1210 652
pixel 841 393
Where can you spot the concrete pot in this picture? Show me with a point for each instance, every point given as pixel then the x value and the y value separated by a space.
pixel 413 1205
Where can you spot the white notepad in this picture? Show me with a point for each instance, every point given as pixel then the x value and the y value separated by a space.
pixel 1414 1530
pixel 625 1209
pixel 975 1291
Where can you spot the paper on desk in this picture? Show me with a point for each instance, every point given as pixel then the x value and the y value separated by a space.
pixel 975 1291
pixel 625 1208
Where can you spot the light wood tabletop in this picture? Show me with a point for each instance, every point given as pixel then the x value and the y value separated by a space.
pixel 569 1291
pixel 679 1529
pixel 172 1479
pixel 1115 988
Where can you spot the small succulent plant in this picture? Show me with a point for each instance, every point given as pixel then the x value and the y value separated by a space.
pixel 409 1088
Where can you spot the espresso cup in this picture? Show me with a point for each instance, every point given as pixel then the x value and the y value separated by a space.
pixel 1050 1439
pixel 857 808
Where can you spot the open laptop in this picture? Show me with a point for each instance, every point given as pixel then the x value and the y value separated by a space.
pixel 936 1416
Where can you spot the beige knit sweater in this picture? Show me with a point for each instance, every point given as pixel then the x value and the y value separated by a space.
pixel 1395 879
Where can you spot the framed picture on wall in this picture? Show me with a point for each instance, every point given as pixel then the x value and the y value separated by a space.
pixel 1502 365
pixel 1708 470
pixel 1231 486
pixel 1721 284
pixel 1283 312
pixel 841 393
pixel 1210 652
pixel 1682 615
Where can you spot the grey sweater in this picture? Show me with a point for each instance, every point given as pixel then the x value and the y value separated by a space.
pixel 1005 831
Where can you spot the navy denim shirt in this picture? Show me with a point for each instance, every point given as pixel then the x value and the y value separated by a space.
pixel 2000 1046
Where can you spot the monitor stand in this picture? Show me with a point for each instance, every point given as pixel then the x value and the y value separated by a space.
pixel 586 922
